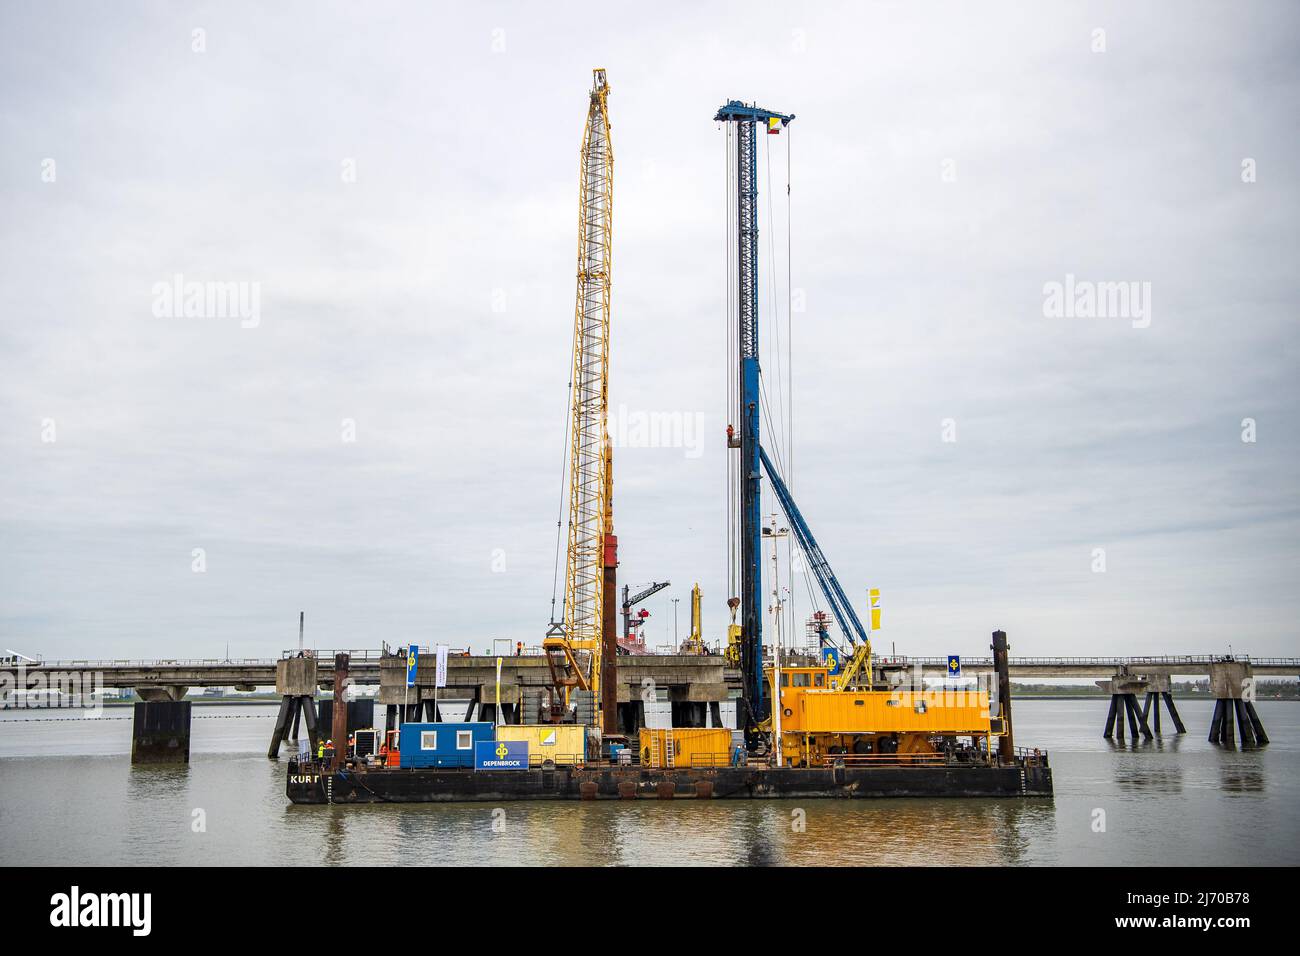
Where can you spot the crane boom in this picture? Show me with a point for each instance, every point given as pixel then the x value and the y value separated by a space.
pixel 635 599
pixel 845 616
pixel 629 643
pixel 750 601
pixel 576 651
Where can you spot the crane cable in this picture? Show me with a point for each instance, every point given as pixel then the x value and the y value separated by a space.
pixel 564 470
pixel 785 457
pixel 783 446
pixel 789 359
pixel 729 322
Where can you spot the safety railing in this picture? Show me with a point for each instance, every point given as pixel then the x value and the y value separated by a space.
pixel 688 761
pixel 1161 659
pixel 1032 756
pixel 128 663
pixel 430 653
pixel 875 760
pixel 538 761
pixel 366 655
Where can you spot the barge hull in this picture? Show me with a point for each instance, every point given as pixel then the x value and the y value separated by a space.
pixel 613 783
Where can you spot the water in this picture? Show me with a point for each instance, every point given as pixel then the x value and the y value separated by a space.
pixel 69 795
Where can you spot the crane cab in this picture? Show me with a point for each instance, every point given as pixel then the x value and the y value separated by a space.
pixel 795 682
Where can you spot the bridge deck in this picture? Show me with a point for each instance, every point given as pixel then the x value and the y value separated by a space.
pixel 364 667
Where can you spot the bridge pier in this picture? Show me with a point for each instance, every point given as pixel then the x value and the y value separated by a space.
pixel 295 681
pixel 163 693
pixel 161 730
pixel 1124 689
pixel 1228 682
pixel 1158 689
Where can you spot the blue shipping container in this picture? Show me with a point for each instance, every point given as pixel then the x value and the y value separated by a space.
pixel 441 745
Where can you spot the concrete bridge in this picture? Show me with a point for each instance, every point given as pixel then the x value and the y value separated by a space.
pixel 164 679
pixel 695 686
pixel 689 678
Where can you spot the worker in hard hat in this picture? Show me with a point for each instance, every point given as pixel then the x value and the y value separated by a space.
pixel 320 750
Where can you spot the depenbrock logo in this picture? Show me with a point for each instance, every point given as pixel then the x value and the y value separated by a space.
pixel 75 909
pixel 501 755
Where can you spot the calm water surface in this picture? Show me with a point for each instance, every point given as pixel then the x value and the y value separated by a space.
pixel 69 795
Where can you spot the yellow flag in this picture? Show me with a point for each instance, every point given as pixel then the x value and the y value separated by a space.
pixel 873 601
pixel 773 125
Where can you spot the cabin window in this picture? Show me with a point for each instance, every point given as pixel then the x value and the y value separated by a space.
pixel 802 680
pixel 785 679
pixel 819 680
pixel 464 740
pixel 428 740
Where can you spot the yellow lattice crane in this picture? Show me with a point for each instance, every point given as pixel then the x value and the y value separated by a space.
pixel 576 648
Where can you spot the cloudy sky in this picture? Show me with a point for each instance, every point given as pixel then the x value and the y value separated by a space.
pixel 398 183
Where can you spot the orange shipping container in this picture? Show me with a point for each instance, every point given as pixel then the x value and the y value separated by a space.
pixel 959 712
pixel 685 747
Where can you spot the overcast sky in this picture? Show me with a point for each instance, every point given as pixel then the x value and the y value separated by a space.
pixel 399 181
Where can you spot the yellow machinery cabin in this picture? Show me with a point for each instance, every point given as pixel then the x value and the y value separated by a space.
pixel 820 722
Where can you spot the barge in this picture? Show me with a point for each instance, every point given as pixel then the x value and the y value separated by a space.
pixel 1028 775
pixel 834 742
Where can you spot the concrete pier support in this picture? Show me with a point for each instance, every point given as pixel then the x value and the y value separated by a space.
pixel 294 712
pixel 631 717
pixel 295 681
pixel 161 732
pixel 1157 691
pixel 1151 710
pixel 162 694
pixel 1230 685
pixel 1124 689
